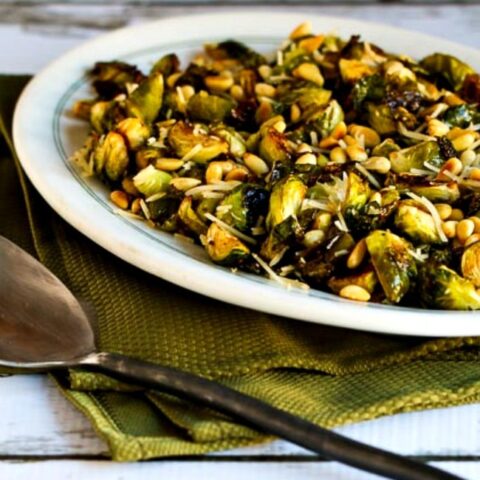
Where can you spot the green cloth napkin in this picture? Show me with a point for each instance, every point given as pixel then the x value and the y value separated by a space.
pixel 329 376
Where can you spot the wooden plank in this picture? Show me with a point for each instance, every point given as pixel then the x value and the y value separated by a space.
pixel 36 420
pixel 81 470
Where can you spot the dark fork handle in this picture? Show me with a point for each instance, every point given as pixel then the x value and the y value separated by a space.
pixel 263 417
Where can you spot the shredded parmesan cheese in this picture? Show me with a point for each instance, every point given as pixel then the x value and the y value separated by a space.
pixel 126 214
pixel 285 282
pixel 368 175
pixel 314 138
pixel 231 229
pixel 212 187
pixel 413 135
pixel 278 257
pixel 279 57
pixel 317 204
pixel 191 153
pixel 145 209
pixel 155 196
pixel 433 212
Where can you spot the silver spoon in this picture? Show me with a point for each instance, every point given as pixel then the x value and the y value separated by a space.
pixel 43 327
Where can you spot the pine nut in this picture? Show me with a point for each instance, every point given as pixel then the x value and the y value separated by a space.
pixel 304 148
pixel 239 173
pixel 322 221
pixel 218 82
pixel 370 137
pixel 476 221
pixel 378 164
pixel 463 142
pixel 295 113
pixel 216 170
pixel 184 183
pixel 265 90
pixel 453 100
pixel 265 71
pixel 264 112
pixel 377 198
pixel 169 164
pixel 129 186
pixel 474 174
pixel 339 131
pixel 356 153
pixel 136 207
pixel 306 159
pixel 311 44
pixel 313 238
pixel 436 128
pixel 120 199
pixel 255 164
pixel 237 92
pixel 301 30
pixel 453 166
pixel 468 157
pixel 465 228
pixel 455 132
pixel 280 126
pixel 456 214
pixel 472 239
pixel 357 254
pixel 450 228
pixel 349 140
pixel 309 72
pixel 354 292
pixel 188 92
pixel 444 210
pixel 337 155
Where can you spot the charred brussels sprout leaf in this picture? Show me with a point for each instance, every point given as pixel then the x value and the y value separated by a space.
pixel 150 181
pixel 393 263
pixel 111 78
pixel 243 206
pixel 146 101
pixel 237 50
pixel 224 248
pixel 447 67
pixel 111 156
pixel 461 115
pixel 441 287
pixel 183 139
pixel 415 157
pixel 370 88
pixel 285 200
pixel 104 115
pixel 417 224
pixel 166 65
pixel 366 279
pixel 189 217
pixel 209 108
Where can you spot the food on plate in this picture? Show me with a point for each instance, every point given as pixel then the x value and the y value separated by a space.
pixel 330 164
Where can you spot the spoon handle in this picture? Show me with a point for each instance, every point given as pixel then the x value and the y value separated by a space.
pixel 263 417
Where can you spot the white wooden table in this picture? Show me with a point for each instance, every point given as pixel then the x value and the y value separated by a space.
pixel 43 437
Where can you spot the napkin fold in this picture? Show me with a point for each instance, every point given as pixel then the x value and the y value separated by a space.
pixel 327 375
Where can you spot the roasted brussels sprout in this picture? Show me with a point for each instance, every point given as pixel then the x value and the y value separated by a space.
pixel 417 224
pixel 146 101
pixel 381 119
pixel 385 148
pixel 371 88
pixel 447 67
pixel 166 65
pixel 358 192
pixel 104 115
pixel 236 50
pixel 471 263
pixel 189 217
pixel 111 156
pixel 274 147
pixel 366 279
pixel 206 107
pixel 415 157
pixel 434 191
pixel 441 287
pixel 285 200
pixel 354 70
pixel 243 206
pixel 150 181
pixel 236 144
pixel 394 264
pixel 224 248
pixel 183 139
pixel 134 131
pixel 305 97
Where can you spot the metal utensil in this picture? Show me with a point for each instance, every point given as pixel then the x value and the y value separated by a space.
pixel 43 327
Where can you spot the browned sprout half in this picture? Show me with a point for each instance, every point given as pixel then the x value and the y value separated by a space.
pixel 224 248
pixel 146 100
pixel 111 156
pixel 471 263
